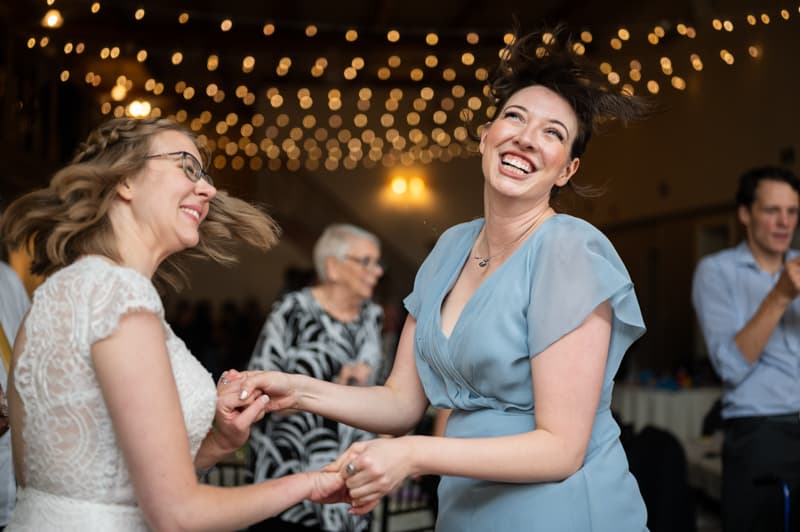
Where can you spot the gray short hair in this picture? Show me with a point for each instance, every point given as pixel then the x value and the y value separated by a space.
pixel 335 242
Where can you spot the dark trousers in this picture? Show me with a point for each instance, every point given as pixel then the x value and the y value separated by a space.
pixel 760 461
pixel 278 525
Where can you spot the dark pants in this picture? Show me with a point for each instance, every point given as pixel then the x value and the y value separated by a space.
pixel 760 460
pixel 278 525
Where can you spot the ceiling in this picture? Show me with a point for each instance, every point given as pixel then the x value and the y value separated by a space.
pixel 317 127
pixel 282 87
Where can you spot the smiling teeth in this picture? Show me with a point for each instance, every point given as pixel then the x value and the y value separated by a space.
pixel 191 212
pixel 516 163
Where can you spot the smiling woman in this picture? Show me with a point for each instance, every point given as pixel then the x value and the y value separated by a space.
pixel 95 347
pixel 517 324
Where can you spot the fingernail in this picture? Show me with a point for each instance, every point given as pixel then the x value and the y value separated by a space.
pixel 264 399
pixel 243 395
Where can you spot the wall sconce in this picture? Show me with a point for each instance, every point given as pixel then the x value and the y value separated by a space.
pixel 407 191
pixel 52 19
pixel 414 186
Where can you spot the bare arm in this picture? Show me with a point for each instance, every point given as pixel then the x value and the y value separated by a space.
pixel 567 381
pixel 135 376
pixel 753 337
pixel 394 408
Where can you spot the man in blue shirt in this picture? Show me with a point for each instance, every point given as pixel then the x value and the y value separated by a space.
pixel 747 305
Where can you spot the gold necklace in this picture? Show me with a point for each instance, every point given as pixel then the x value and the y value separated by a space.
pixel 484 261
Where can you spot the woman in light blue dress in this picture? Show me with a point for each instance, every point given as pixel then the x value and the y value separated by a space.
pixel 517 322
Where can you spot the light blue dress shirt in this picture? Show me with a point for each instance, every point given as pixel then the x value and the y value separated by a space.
pixel 14 304
pixel 727 290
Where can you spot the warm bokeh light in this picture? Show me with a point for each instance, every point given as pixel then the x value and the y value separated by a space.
pixel 399 185
pixel 416 186
pixel 138 109
pixel 52 19
pixel 412 98
pixel 118 93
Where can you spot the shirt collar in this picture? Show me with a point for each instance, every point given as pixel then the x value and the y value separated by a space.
pixel 745 257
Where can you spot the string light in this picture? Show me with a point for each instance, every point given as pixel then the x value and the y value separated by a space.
pixel 404 124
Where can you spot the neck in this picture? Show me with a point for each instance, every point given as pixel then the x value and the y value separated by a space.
pixel 502 236
pixel 337 301
pixel 500 230
pixel 770 262
pixel 136 254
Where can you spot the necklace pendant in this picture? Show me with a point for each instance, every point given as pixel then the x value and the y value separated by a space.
pixel 483 261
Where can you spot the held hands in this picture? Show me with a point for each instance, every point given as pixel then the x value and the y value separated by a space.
pixel 372 469
pixel 327 487
pixel 239 405
pixel 279 387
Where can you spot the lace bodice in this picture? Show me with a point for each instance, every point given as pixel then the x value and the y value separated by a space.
pixel 70 445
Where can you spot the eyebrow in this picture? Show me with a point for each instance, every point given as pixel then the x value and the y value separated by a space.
pixel 550 120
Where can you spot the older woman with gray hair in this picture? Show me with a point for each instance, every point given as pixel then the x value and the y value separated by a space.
pixel 330 331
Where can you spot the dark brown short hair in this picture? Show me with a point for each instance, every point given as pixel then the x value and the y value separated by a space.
pixel 548 58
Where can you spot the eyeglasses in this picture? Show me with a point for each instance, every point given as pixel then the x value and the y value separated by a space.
pixel 366 262
pixel 191 166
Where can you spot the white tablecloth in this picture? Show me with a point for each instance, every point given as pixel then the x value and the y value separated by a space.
pixel 704 464
pixel 681 412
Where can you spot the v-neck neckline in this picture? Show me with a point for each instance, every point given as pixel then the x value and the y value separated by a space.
pixel 465 258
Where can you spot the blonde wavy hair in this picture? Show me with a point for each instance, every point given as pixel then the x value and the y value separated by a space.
pixel 69 218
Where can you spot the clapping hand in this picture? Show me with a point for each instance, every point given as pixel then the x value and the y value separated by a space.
pixel 788 284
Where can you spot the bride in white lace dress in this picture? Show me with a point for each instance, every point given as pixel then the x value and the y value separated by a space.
pixel 111 415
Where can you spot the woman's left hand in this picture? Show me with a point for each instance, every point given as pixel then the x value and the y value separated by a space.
pixel 372 469
pixel 239 405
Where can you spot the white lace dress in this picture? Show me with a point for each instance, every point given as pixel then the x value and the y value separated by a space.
pixel 76 477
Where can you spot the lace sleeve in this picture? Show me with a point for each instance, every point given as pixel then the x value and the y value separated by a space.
pixel 116 292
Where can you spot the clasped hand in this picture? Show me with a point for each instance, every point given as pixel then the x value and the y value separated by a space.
pixel 370 469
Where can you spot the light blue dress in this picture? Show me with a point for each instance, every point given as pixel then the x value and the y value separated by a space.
pixel 547 288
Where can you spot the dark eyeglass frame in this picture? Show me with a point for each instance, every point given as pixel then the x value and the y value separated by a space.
pixel 195 176
pixel 366 262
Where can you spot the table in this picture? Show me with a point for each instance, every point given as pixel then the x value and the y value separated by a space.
pixel 704 464
pixel 681 412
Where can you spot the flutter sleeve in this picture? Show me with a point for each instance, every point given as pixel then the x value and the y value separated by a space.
pixel 575 269
pixel 114 292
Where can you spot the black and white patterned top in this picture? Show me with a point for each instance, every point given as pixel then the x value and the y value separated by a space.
pixel 300 337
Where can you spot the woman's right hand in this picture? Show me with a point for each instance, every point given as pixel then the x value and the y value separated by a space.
pixel 279 387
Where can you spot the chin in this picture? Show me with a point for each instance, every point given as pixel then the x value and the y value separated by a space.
pixel 190 242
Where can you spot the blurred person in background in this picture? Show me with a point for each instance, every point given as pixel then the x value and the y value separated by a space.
pixel 329 331
pixel 14 303
pixel 746 302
